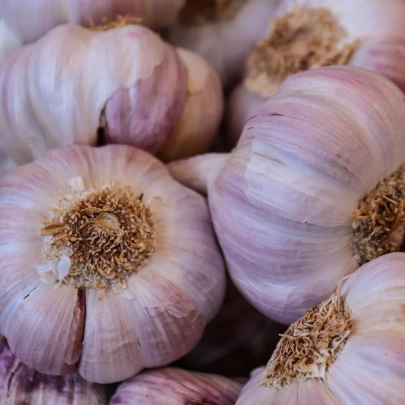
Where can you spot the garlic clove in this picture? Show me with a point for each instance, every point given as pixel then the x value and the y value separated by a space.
pixel 195 132
pixel 225 44
pixel 45 328
pixel 9 41
pixel 127 83
pixel 175 386
pixel 21 385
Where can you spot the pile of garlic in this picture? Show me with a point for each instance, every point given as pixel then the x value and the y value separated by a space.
pixel 142 260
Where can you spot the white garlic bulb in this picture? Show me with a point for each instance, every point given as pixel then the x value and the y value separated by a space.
pixel 53 96
pixel 348 350
pixel 173 386
pixel 20 385
pixel 28 21
pixel 314 188
pixel 223 33
pixel 108 265
pixel 307 34
pixel 202 114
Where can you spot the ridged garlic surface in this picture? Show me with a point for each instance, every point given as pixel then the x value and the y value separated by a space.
pixel 307 34
pixel 108 265
pixel 348 350
pixel 195 131
pixel 173 386
pixel 314 188
pixel 223 33
pixel 20 385
pixel 74 82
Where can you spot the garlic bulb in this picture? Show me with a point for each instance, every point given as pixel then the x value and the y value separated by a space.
pixel 223 32
pixel 136 97
pixel 20 385
pixel 202 114
pixel 307 34
pixel 237 340
pixel 28 21
pixel 314 189
pixel 8 41
pixel 172 386
pixel 108 265
pixel 347 350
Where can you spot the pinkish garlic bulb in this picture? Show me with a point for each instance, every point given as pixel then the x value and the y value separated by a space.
pixel 51 95
pixel 307 34
pixel 347 350
pixel 175 386
pixel 223 32
pixel 314 189
pixel 21 385
pixel 108 265
pixel 26 21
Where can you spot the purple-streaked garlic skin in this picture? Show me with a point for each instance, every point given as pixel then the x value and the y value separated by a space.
pixel 20 384
pixel 173 386
pixel 241 106
pixel 226 44
pixel 163 311
pixel 374 295
pixel 29 21
pixel 283 201
pixel 62 101
pixel 377 25
pixel 195 131
pixel 236 341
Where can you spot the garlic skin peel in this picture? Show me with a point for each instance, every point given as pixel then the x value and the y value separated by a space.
pixel 136 96
pixel 225 43
pixel 202 114
pixel 301 37
pixel 29 21
pixel 21 385
pixel 368 368
pixel 285 203
pixel 61 306
pixel 173 386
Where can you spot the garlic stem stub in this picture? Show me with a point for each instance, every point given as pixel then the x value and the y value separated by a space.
pixel 20 384
pixel 175 386
pixel 75 82
pixel 28 21
pixel 109 265
pixel 347 350
pixel 308 34
pixel 313 190
pixel 223 32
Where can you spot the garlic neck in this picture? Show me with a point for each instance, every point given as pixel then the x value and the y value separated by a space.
pixel 310 345
pixel 197 12
pixel 99 238
pixel 300 40
pixel 379 221
pixel 120 21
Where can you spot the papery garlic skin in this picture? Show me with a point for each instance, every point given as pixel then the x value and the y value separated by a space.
pixel 225 44
pixel 137 95
pixel 374 296
pixel 173 386
pixel 29 21
pixel 202 114
pixel 21 385
pixel 283 202
pixel 109 335
pixel 9 42
pixel 378 35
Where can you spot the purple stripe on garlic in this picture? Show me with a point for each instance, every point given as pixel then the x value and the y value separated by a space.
pixel 172 386
pixel 144 278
